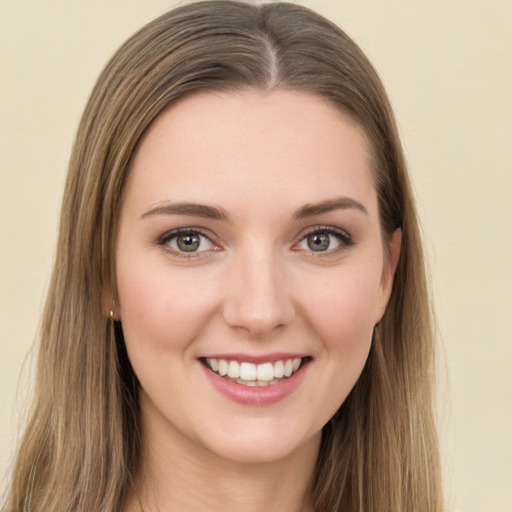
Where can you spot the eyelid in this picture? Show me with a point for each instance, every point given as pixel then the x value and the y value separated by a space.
pixel 162 241
pixel 345 238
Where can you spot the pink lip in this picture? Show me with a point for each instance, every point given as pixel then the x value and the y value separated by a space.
pixel 256 395
pixel 268 358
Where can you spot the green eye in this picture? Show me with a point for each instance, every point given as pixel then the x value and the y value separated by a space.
pixel 318 241
pixel 189 242
pixel 325 240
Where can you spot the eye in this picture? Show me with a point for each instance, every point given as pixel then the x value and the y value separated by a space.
pixel 325 240
pixel 186 241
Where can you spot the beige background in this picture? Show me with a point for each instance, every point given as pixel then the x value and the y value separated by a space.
pixel 448 69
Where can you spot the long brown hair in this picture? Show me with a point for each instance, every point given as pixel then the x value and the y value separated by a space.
pixel 82 446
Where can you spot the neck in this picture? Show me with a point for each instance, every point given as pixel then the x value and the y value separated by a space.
pixel 178 475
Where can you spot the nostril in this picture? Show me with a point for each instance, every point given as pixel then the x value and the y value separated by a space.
pixel 258 318
pixel 257 299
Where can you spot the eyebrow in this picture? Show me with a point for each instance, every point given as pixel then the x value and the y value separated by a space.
pixel 193 209
pixel 217 213
pixel 340 203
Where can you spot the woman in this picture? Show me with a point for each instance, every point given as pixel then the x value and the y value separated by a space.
pixel 238 317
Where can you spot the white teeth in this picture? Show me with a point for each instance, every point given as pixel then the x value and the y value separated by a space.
pixel 234 370
pixel 288 368
pixel 247 371
pixel 279 369
pixel 255 374
pixel 223 367
pixel 266 371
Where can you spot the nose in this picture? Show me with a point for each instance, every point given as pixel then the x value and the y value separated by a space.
pixel 258 299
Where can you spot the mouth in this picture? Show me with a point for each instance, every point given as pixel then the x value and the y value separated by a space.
pixel 251 374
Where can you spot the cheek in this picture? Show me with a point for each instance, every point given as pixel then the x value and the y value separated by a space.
pixel 342 305
pixel 338 306
pixel 159 308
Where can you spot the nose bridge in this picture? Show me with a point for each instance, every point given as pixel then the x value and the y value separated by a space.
pixel 258 299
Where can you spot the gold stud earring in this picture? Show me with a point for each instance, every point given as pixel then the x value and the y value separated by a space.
pixel 111 312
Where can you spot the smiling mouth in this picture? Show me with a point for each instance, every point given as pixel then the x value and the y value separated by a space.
pixel 250 374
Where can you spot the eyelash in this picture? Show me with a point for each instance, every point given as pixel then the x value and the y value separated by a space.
pixel 345 241
pixel 164 240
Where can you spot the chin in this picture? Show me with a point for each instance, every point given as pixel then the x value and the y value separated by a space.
pixel 263 444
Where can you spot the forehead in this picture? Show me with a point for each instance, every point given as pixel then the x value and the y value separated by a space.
pixel 279 146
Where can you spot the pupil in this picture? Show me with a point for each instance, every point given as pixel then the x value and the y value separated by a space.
pixel 318 242
pixel 188 243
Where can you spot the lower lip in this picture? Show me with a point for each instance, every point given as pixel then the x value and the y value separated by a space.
pixel 256 395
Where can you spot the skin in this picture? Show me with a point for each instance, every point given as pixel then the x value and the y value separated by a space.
pixel 254 286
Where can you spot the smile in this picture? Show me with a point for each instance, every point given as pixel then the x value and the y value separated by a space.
pixel 250 374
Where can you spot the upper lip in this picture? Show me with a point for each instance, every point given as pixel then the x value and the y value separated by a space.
pixel 257 359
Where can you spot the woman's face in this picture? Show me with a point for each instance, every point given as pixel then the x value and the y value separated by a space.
pixel 249 243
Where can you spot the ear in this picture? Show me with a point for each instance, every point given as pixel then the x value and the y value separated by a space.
pixel 388 273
